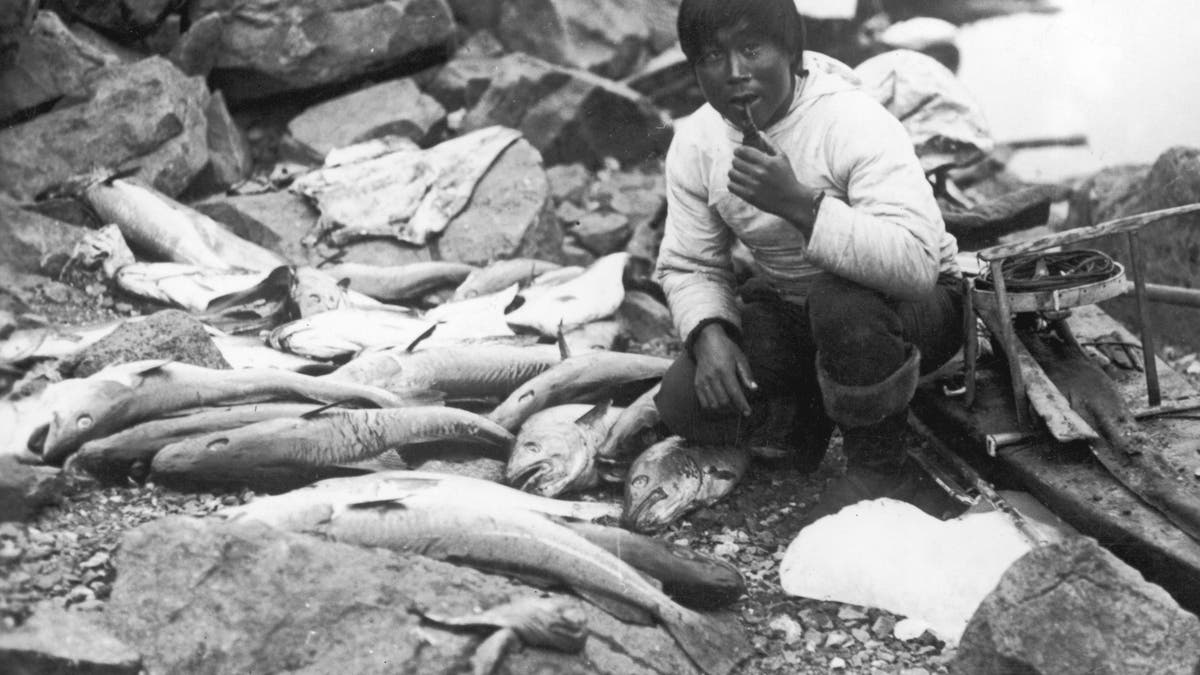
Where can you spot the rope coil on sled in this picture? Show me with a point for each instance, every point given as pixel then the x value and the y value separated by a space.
pixel 1045 271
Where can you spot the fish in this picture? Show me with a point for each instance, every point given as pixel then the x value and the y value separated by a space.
pixel 469 370
pixel 104 248
pixel 52 341
pixel 595 294
pixel 245 351
pixel 190 287
pixel 344 332
pixel 694 579
pixel 166 230
pixel 304 508
pixel 544 622
pixel 555 449
pixel 481 316
pixel 123 395
pixel 673 477
pixel 284 445
pixel 400 283
pixel 631 433
pixel 128 452
pixel 501 274
pixel 603 335
pixel 297 292
pixel 587 377
pixel 530 544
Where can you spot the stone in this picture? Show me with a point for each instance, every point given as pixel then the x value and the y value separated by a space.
pixel 569 182
pixel 54 640
pixel 509 214
pixel 25 488
pixel 15 18
pixel 50 62
pixel 667 80
pixel 279 221
pixel 168 334
pixel 600 232
pixel 229 160
pixel 127 21
pixel 395 107
pixel 569 115
pixel 1074 607
pixel 608 38
pixel 635 194
pixel 146 113
pixel 210 597
pixel 265 47
pixel 28 238
pixel 476 14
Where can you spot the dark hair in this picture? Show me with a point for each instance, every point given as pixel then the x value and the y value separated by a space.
pixel 776 20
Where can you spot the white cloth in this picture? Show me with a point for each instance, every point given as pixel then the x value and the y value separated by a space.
pixel 878 225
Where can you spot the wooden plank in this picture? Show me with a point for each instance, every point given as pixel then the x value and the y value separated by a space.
pixel 1076 235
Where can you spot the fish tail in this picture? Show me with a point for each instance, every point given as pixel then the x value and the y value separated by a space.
pixel 716 647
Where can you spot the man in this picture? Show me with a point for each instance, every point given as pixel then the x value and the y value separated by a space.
pixel 857 292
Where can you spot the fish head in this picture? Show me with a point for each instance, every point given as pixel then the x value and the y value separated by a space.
pixel 78 413
pixel 660 487
pixel 555 450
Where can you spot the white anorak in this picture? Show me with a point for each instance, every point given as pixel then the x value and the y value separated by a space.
pixel 878 224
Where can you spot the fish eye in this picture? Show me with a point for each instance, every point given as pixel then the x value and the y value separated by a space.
pixel 218 443
pixel 530 446
pixel 640 480
pixel 83 422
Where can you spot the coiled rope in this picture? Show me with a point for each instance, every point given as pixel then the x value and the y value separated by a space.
pixel 1047 271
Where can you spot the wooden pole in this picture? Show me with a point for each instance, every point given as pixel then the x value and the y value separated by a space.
pixel 1153 392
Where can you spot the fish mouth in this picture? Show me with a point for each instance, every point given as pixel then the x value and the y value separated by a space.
pixel 532 478
pixel 37 440
pixel 638 518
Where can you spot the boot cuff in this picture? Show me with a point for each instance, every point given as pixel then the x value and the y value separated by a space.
pixel 860 406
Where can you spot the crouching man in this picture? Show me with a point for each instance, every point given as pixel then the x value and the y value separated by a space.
pixel 857 291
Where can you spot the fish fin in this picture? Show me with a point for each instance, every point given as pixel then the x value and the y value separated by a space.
pixel 564 350
pixel 716 647
pixel 328 406
pixel 622 610
pixel 153 365
pixel 594 417
pixel 491 651
pixel 378 505
pixel 422 337
pixel 119 174
pixel 344 283
pixel 273 287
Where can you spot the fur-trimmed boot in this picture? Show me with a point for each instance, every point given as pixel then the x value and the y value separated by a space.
pixel 874 423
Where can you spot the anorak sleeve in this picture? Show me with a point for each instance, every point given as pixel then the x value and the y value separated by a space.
pixel 695 265
pixel 888 233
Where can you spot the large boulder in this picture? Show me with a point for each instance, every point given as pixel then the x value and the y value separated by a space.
pixel 265 47
pixel 229 158
pixel 147 114
pixel 169 334
pixel 608 38
pixel 1074 608
pixel 202 597
pixel 509 215
pixel 392 108
pixel 24 488
pixel 569 115
pixel 50 61
pixel 127 21
pixel 279 221
pixel 27 238
pixel 15 17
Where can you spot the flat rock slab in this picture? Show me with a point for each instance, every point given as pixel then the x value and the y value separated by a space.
pixel 170 334
pixel 279 221
pixel 264 47
pixel 569 115
pixel 57 641
pixel 50 61
pixel 27 238
pixel 1073 607
pixel 147 111
pixel 209 597
pixel 25 488
pixel 392 108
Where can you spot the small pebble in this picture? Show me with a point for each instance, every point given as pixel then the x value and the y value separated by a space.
pixel 837 663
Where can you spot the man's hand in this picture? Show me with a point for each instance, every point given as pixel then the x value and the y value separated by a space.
pixel 722 371
pixel 766 181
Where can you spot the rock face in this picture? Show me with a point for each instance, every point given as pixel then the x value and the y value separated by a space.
pixel 396 107
pixel 265 47
pixel 229 160
pixel 569 115
pixel 27 238
pixel 146 113
pixel 204 597
pixel 50 61
pixel 15 17
pixel 509 215
pixel 1073 607
pixel 276 220
pixel 169 334
pixel 25 488
pixel 55 640
pixel 608 38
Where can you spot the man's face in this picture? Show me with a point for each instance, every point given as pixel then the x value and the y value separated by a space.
pixel 742 67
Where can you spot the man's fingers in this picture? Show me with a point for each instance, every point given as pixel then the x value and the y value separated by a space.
pixel 744 374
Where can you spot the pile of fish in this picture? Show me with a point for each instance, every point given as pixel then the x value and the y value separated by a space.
pixel 343 373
